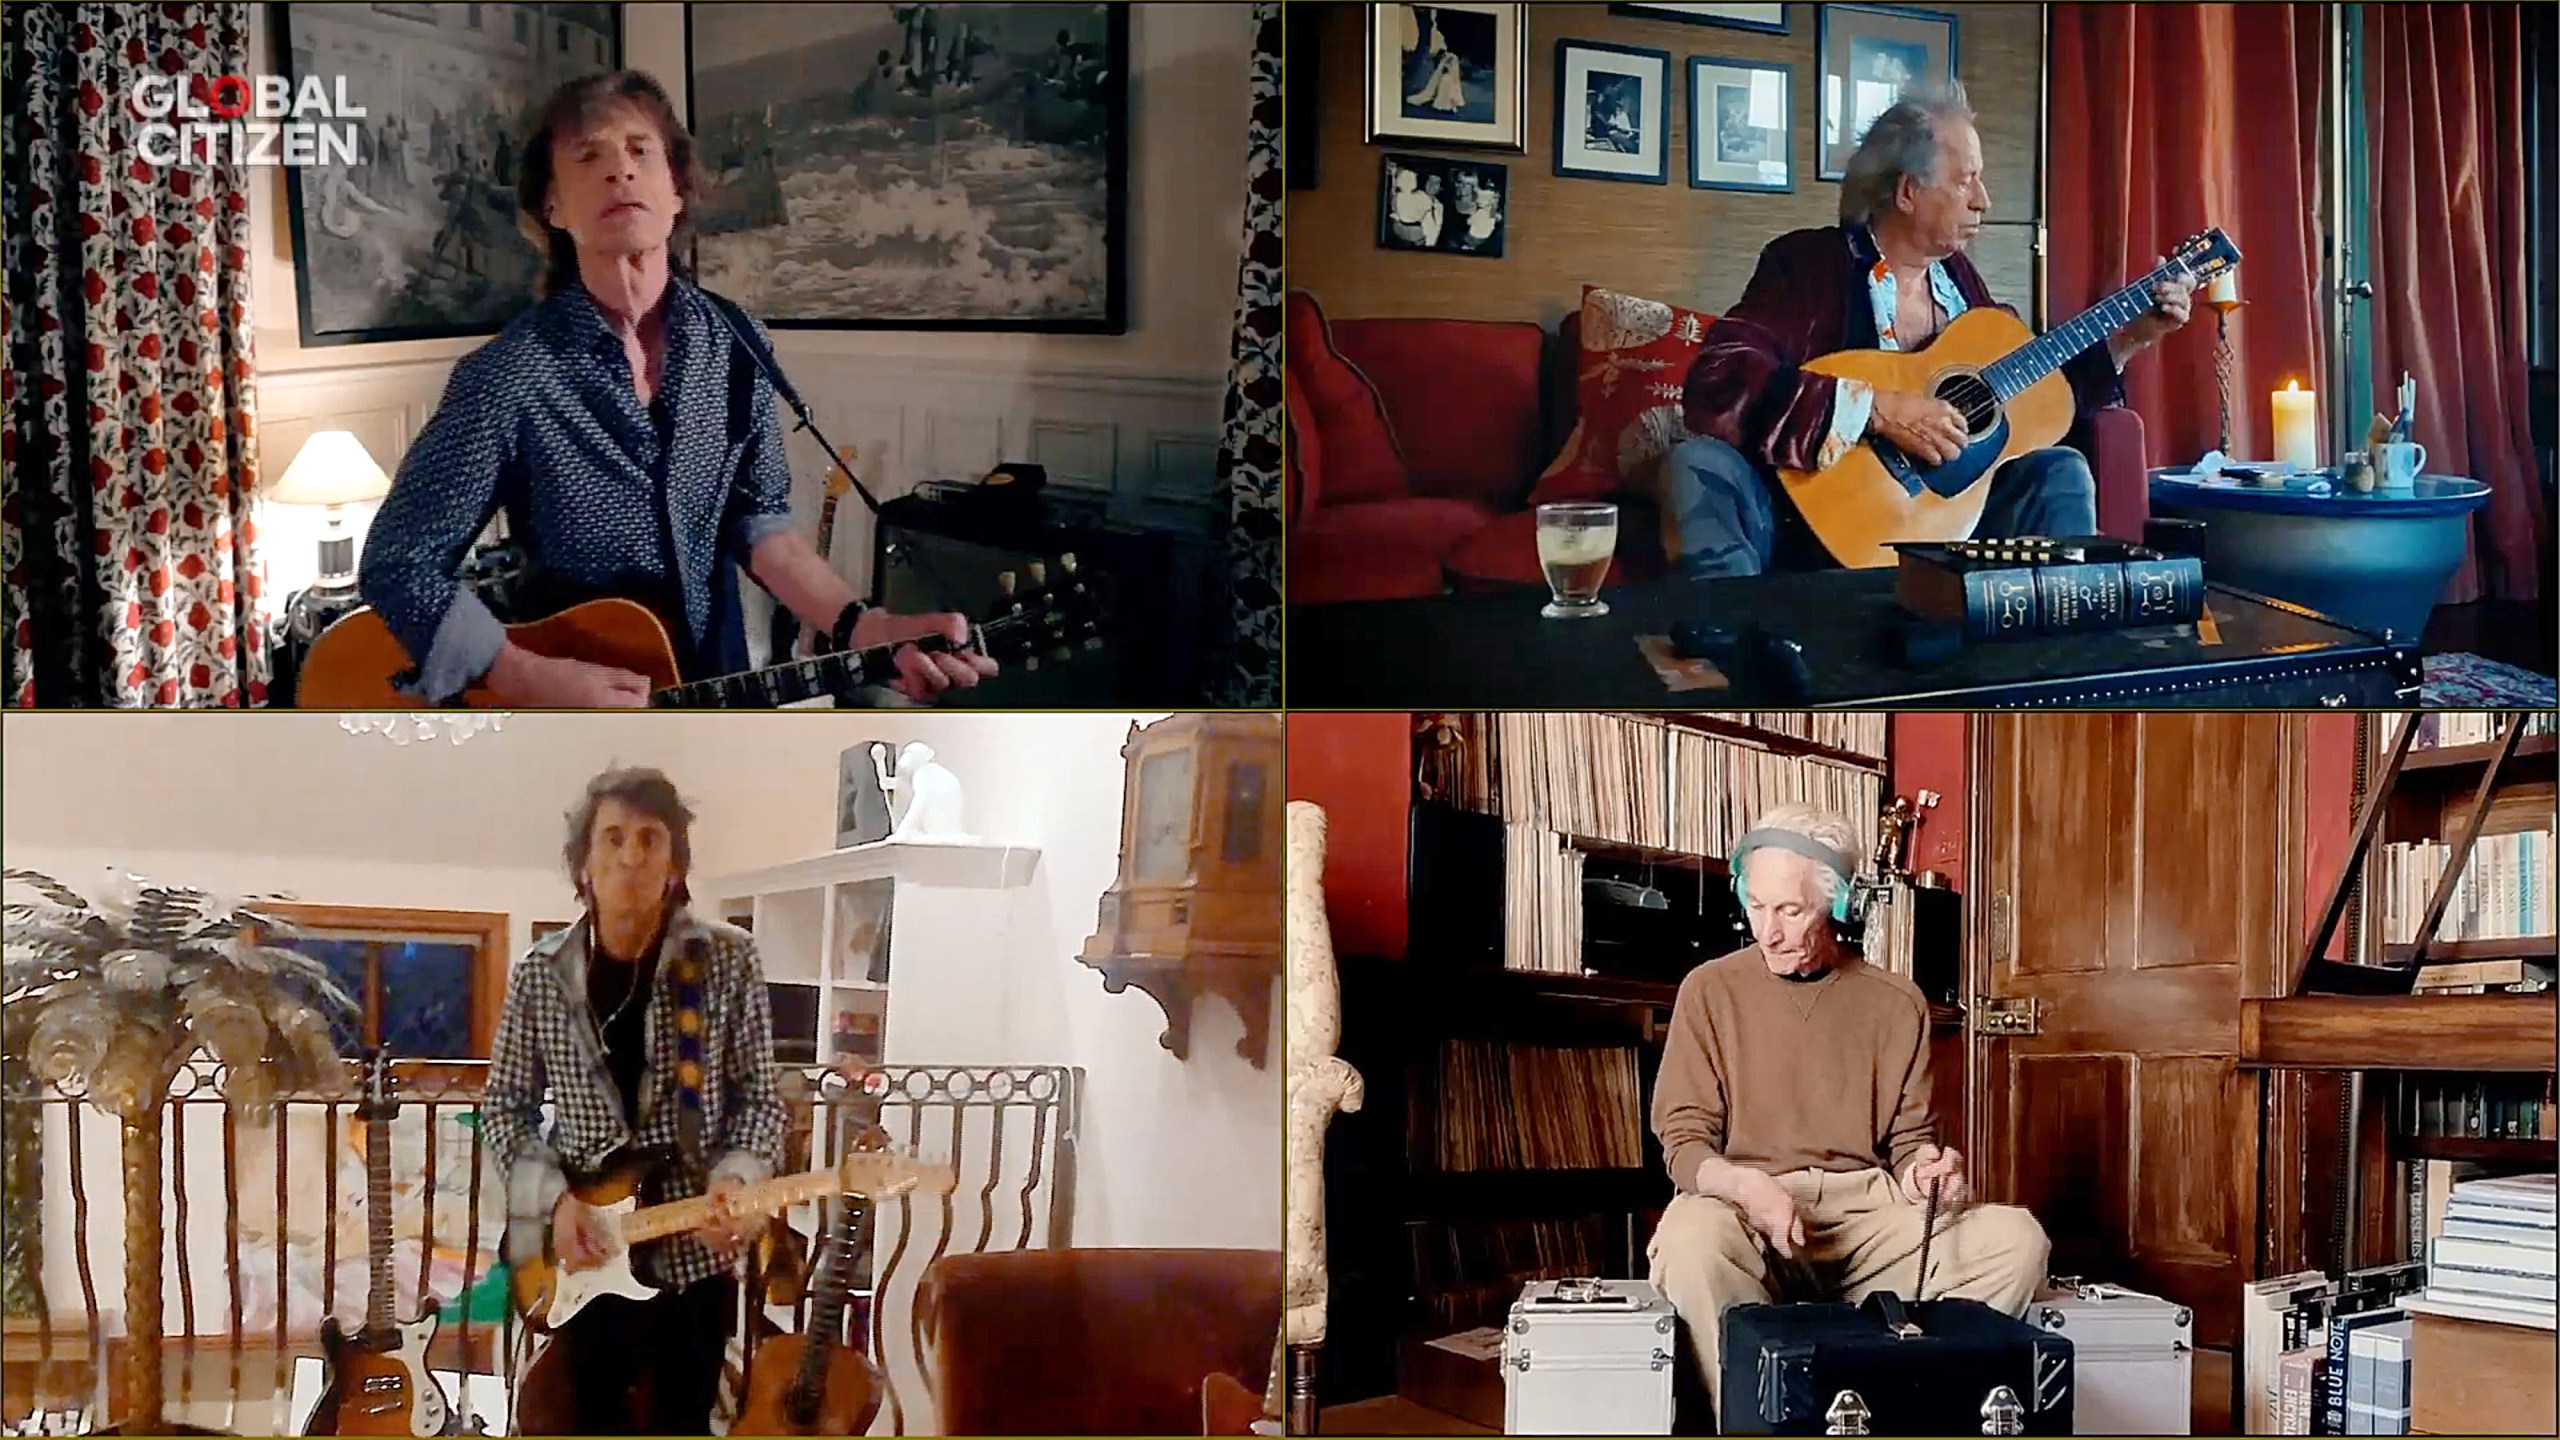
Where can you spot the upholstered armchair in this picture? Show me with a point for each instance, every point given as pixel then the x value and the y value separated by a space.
pixel 1319 1083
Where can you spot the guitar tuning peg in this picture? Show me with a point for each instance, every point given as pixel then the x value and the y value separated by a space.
pixel 1039 573
pixel 1067 563
pixel 1005 582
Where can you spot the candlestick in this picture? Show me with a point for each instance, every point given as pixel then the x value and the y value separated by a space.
pixel 2222 364
pixel 2297 426
pixel 2224 292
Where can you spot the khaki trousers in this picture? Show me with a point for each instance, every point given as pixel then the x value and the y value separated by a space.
pixel 1861 1237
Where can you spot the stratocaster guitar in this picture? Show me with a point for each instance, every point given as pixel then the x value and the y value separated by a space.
pixel 2003 379
pixel 547 1294
pixel 810 1384
pixel 378 1382
pixel 357 664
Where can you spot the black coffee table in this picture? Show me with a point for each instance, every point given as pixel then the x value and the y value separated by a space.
pixel 1495 652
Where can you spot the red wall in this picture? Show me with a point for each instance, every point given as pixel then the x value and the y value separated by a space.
pixel 2328 815
pixel 1359 768
pixel 1928 753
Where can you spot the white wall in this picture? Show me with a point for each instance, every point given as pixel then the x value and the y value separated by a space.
pixel 1135 416
pixel 1174 1153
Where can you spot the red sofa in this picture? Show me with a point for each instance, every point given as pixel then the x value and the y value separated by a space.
pixel 1472 412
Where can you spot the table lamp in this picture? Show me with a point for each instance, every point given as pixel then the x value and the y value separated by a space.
pixel 332 469
pixel 2224 296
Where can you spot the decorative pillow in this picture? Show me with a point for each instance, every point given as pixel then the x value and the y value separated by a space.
pixel 1361 461
pixel 1635 361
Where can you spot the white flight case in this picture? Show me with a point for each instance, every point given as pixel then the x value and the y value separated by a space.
pixel 1588 1357
pixel 2131 1356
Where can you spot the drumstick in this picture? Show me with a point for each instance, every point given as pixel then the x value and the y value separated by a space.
pixel 1928 1223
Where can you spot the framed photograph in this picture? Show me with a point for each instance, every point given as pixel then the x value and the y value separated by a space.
pixel 913 167
pixel 417 240
pixel 1448 75
pixel 1613 112
pixel 1433 202
pixel 1741 125
pixel 1769 18
pixel 1869 55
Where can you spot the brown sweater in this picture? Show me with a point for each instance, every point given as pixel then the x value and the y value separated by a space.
pixel 1780 1075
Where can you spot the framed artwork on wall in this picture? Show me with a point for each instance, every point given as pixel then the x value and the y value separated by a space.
pixel 417 239
pixel 1440 203
pixel 1868 55
pixel 1769 18
pixel 913 167
pixel 1741 125
pixel 1448 75
pixel 1613 112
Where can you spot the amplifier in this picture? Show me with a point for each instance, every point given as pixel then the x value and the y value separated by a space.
pixel 931 553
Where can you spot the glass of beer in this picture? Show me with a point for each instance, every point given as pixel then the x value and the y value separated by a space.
pixel 1575 542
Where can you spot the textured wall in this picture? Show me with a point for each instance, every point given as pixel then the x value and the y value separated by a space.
pixel 1668 242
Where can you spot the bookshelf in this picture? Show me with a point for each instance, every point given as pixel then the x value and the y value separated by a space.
pixel 1417 1251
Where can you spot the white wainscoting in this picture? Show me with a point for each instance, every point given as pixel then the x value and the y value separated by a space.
pixel 1146 440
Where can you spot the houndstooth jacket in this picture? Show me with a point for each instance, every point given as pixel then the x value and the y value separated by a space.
pixel 548 1043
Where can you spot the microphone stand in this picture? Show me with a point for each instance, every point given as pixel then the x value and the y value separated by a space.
pixel 772 369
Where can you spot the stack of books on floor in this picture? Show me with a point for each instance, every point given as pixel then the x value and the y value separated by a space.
pixel 2493 1258
pixel 2328 1357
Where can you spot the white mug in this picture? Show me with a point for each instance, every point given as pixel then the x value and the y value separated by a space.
pixel 2398 463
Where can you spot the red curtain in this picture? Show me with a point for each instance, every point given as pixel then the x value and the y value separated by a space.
pixel 2444 97
pixel 131 576
pixel 2167 120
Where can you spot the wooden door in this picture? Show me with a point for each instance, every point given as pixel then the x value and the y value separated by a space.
pixel 2141 875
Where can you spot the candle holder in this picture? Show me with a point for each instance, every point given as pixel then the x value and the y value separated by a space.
pixel 2223 363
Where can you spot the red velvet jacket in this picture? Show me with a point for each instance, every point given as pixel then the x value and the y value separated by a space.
pixel 1809 298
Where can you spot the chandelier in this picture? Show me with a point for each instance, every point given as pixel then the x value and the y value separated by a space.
pixel 421 729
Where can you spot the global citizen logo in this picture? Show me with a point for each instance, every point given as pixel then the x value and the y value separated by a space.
pixel 245 120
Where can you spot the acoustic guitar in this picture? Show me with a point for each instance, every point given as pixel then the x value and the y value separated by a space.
pixel 810 1383
pixel 547 1293
pixel 357 664
pixel 2003 379
pixel 377 1378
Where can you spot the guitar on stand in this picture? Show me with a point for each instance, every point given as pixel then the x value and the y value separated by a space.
pixel 378 1382
pixel 2003 379
pixel 811 1383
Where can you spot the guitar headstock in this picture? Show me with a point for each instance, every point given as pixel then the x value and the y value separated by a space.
pixel 839 482
pixel 378 1102
pixel 879 1174
pixel 1043 616
pixel 2202 257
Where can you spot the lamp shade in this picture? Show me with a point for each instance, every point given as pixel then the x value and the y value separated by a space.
pixel 333 468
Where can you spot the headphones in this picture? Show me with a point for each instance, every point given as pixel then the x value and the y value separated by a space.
pixel 1847 898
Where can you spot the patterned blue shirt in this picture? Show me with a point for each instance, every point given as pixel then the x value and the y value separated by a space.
pixel 606 497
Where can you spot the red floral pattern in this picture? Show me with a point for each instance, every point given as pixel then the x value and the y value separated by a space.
pixel 130 566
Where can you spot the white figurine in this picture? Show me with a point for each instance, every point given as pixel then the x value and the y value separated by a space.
pixel 925 796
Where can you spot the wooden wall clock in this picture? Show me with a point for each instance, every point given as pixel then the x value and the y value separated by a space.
pixel 1196 905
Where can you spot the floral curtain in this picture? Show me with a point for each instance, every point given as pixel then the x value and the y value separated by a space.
pixel 129 560
pixel 1249 447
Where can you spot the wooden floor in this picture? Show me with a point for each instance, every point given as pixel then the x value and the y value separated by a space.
pixel 1395 1415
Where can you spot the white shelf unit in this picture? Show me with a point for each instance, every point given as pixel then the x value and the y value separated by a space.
pixel 809 917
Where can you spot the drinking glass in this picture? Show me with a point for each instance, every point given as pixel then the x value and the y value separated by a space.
pixel 1576 540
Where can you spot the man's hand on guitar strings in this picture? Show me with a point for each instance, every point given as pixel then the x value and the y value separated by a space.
pixel 2172 305
pixel 545 682
pixel 579 1239
pixel 924 674
pixel 1926 427
pixel 728 1230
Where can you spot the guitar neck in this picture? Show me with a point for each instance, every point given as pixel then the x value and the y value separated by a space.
pixel 827 526
pixel 377 1217
pixel 2013 373
pixel 799 680
pixel 763 1198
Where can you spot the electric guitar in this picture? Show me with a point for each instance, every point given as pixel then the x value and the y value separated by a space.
pixel 810 1384
pixel 2003 379
pixel 357 664
pixel 787 628
pixel 378 1382
pixel 547 1293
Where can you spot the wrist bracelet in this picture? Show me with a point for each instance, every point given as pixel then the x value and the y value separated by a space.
pixel 841 637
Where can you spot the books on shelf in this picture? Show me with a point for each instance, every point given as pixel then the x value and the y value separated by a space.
pixel 1541 901
pixel 1860 732
pixel 2504 893
pixel 2489 1107
pixel 1467 1273
pixel 2301 1338
pixel 2439 730
pixel 1501 1105
pixel 2499 1264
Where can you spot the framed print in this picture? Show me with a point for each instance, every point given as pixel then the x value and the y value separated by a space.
pixel 1769 18
pixel 1741 125
pixel 417 240
pixel 1868 55
pixel 1448 75
pixel 1613 112
pixel 913 167
pixel 1434 202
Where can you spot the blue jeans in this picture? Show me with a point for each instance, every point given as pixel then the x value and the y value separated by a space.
pixel 1720 517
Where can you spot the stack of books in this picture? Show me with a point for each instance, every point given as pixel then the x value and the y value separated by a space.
pixel 2493 1258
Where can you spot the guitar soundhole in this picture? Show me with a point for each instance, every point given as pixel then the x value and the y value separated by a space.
pixel 1973 398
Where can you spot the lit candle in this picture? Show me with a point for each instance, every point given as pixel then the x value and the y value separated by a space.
pixel 2297 427
pixel 2225 289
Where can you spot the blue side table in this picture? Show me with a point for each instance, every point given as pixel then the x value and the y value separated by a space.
pixel 2376 561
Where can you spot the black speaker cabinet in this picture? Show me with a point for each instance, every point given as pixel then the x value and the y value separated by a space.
pixel 933 551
